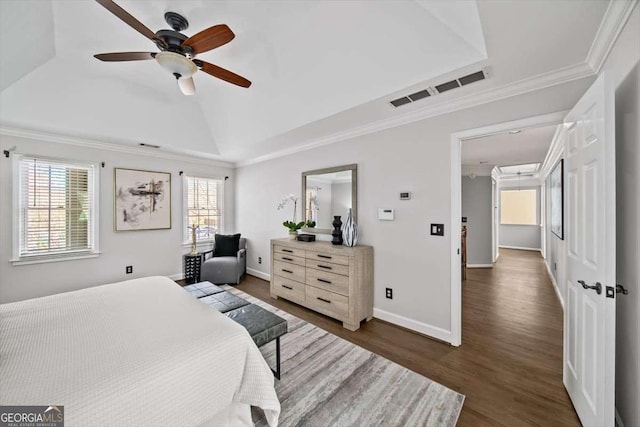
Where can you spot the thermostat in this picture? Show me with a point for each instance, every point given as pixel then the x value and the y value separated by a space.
pixel 405 195
pixel 385 214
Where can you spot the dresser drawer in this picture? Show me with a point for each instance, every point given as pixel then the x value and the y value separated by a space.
pixel 328 281
pixel 290 271
pixel 289 289
pixel 289 251
pixel 289 258
pixel 326 302
pixel 323 256
pixel 328 267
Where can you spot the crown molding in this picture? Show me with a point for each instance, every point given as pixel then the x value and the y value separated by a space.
pixel 612 23
pixel 541 81
pixel 109 146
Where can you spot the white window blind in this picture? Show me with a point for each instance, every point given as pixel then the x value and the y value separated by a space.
pixel 57 208
pixel 518 207
pixel 204 205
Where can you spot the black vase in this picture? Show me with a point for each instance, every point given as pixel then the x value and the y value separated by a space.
pixel 337 231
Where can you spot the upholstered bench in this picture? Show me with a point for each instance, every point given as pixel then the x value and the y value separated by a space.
pixel 262 325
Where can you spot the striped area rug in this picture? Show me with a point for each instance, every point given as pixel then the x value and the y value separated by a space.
pixel 328 381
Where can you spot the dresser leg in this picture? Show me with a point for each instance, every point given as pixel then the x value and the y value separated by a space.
pixel 351 326
pixel 274 296
pixel 369 318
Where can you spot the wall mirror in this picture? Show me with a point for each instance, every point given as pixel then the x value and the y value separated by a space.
pixel 327 193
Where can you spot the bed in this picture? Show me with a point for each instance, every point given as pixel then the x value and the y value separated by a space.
pixel 137 353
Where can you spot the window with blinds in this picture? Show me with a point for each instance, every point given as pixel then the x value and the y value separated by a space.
pixel 518 207
pixel 204 202
pixel 57 208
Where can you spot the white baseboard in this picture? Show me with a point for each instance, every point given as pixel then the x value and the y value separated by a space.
pixel 178 276
pixel 414 325
pixel 555 285
pixel 619 422
pixel 479 265
pixel 521 248
pixel 259 274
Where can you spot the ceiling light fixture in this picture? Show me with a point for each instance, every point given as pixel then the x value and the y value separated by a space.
pixel 181 67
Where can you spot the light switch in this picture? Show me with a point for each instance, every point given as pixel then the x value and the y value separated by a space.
pixel 437 229
pixel 385 214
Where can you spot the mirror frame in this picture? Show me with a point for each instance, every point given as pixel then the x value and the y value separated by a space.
pixel 354 194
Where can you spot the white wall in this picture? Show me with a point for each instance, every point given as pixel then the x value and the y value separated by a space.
pixel 521 236
pixel 154 252
pixel 341 199
pixel 476 206
pixel 622 67
pixel 415 158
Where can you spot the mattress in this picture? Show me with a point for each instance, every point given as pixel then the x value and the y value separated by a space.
pixel 137 353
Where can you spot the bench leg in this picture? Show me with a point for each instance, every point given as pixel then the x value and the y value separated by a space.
pixel 276 372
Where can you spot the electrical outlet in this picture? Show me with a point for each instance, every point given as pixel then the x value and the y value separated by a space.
pixel 259 260
pixel 389 293
pixel 437 229
pixel 555 266
pixel 129 269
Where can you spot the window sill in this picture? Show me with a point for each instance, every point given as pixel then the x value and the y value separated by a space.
pixel 199 243
pixel 58 258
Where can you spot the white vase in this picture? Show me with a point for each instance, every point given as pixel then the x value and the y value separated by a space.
pixel 293 235
pixel 350 231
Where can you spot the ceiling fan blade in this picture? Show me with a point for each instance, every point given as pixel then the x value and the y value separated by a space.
pixel 187 86
pixel 221 73
pixel 125 56
pixel 210 38
pixel 130 20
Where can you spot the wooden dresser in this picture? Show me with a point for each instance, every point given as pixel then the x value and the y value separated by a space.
pixel 333 280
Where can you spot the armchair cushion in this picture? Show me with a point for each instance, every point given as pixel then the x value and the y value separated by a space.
pixel 226 245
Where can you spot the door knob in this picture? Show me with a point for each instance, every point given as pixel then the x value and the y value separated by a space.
pixel 597 287
pixel 621 289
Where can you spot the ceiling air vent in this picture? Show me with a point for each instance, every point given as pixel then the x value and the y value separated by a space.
pixel 443 87
pixel 400 101
pixel 142 144
pixel 419 95
pixel 477 76
pixel 447 86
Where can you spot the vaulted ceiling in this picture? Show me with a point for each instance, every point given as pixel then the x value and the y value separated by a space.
pixel 319 68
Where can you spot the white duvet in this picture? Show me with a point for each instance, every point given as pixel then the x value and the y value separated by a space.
pixel 137 353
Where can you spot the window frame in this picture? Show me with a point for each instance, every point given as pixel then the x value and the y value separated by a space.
pixel 186 237
pixel 17 212
pixel 537 207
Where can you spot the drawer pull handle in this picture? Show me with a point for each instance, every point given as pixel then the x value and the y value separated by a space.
pixel 324 281
pixel 289 251
pixel 287 258
pixel 287 287
pixel 324 256
pixel 324 266
pixel 287 271
pixel 324 300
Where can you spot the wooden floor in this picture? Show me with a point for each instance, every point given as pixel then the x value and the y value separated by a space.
pixel 510 363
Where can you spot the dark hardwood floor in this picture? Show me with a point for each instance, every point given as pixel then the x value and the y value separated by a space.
pixel 510 363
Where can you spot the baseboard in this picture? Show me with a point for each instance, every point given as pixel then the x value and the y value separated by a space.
pixel 619 422
pixel 178 276
pixel 259 274
pixel 414 325
pixel 521 248
pixel 555 285
pixel 479 265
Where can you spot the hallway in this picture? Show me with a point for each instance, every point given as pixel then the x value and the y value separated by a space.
pixel 510 363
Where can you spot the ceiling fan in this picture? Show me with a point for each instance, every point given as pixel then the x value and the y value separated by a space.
pixel 177 51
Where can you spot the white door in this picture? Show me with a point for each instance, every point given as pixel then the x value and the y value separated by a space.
pixel 589 318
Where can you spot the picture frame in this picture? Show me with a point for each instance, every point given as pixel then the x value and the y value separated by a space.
pixel 142 200
pixel 556 184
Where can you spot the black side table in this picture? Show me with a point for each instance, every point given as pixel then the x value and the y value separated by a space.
pixel 191 268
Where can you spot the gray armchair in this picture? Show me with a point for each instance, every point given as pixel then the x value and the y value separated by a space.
pixel 225 269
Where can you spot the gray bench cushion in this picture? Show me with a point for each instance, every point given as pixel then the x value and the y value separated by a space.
pixel 262 325
pixel 224 301
pixel 202 289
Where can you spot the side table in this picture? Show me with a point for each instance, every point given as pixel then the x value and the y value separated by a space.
pixel 191 268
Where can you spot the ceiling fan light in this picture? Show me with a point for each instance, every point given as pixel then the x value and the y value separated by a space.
pixel 187 86
pixel 176 64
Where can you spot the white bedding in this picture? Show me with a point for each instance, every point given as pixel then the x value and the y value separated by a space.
pixel 137 353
